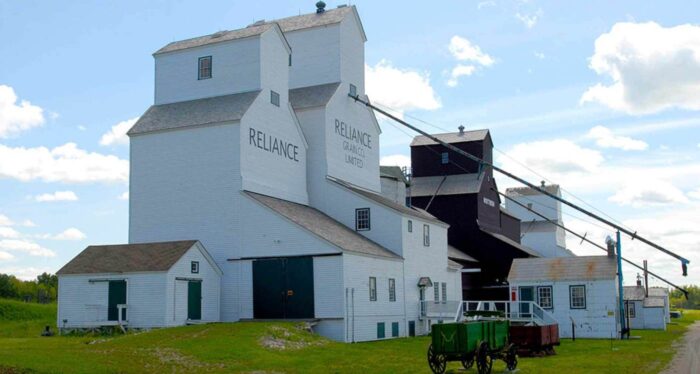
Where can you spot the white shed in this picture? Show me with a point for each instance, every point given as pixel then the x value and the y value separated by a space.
pixel 141 285
pixel 644 313
pixel 579 291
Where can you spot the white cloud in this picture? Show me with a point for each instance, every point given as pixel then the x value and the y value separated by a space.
pixel 460 71
pixel 26 273
pixel 649 193
pixel 539 55
pixel 16 117
pixel 396 160
pixel 464 50
pixel 31 248
pixel 605 138
pixel 117 134
pixel 557 156
pixel 529 19
pixel 82 128
pixel 9 233
pixel 695 194
pixel 5 221
pixel 485 4
pixel 28 223
pixel 6 256
pixel 57 196
pixel 124 196
pixel 66 163
pixel 652 68
pixel 70 234
pixel 400 89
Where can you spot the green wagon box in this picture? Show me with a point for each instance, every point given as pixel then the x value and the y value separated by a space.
pixel 469 342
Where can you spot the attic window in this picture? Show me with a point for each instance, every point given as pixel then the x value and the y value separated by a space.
pixel 353 90
pixel 204 68
pixel 194 267
pixel 274 98
pixel 362 219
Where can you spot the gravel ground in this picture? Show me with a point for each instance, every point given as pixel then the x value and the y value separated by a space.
pixel 687 358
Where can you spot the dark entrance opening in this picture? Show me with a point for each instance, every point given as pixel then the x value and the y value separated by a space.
pixel 116 296
pixel 283 288
pixel 194 300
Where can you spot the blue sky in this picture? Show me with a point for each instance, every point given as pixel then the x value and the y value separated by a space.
pixel 599 96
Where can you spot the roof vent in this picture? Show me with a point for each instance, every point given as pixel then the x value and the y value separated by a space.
pixel 542 183
pixel 320 7
pixel 258 23
pixel 461 130
pixel 218 34
pixel 342 6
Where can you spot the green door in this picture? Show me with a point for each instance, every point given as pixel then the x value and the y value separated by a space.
pixel 526 294
pixel 194 300
pixel 283 288
pixel 116 295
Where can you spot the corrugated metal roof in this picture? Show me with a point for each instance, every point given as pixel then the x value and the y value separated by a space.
pixel 312 96
pixel 412 211
pixel 512 243
pixel 581 268
pixel 453 184
pixel 456 254
pixel 633 292
pixel 323 226
pixel 393 172
pixel 127 258
pixel 194 113
pixel 304 21
pixel 451 137
pixel 527 191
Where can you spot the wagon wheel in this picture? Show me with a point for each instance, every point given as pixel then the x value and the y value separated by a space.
pixel 483 358
pixel 436 361
pixel 468 361
pixel 511 357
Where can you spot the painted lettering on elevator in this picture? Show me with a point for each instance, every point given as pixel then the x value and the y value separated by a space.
pixel 355 143
pixel 272 144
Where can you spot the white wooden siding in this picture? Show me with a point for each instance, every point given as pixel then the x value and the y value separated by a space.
pixel 328 287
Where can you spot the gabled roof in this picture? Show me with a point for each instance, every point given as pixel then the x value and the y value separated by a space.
pixel 654 302
pixel 511 242
pixel 583 268
pixel 634 293
pixel 456 254
pixel 323 226
pixel 191 113
pixel 453 264
pixel 658 292
pixel 458 184
pixel 127 258
pixel 328 17
pixel 217 37
pixel 312 96
pixel 393 172
pixel 527 191
pixel 411 211
pixel 451 137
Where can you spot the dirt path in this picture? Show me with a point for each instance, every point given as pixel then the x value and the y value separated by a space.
pixel 687 358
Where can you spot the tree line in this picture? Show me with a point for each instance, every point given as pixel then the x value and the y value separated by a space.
pixel 42 289
pixel 678 300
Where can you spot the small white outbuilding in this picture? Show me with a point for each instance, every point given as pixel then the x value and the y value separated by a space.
pixel 142 285
pixel 579 292
pixel 642 312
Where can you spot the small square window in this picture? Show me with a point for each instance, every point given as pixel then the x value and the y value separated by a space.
pixel 372 289
pixel 362 219
pixel 426 235
pixel 410 226
pixel 353 90
pixel 445 158
pixel 204 68
pixel 544 297
pixel 577 297
pixel 392 289
pixel 194 267
pixel 274 98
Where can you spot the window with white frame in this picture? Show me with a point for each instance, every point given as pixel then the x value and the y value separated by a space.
pixel 204 65
pixel 631 312
pixel 372 289
pixel 445 158
pixel 577 297
pixel 362 221
pixel 392 289
pixel 274 98
pixel 426 235
pixel 436 287
pixel 444 292
pixel 353 90
pixel 544 297
pixel 194 267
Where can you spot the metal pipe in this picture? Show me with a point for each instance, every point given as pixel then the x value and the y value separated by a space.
pixel 619 284
pixel 633 235
pixel 585 239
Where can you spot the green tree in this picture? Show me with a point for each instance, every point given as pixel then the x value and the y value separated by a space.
pixel 8 288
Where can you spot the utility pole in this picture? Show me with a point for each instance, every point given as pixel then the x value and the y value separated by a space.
pixel 646 280
pixel 621 300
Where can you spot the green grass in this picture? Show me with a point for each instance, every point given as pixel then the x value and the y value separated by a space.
pixel 19 319
pixel 236 347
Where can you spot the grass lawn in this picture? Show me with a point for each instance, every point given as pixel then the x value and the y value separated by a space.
pixel 236 347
